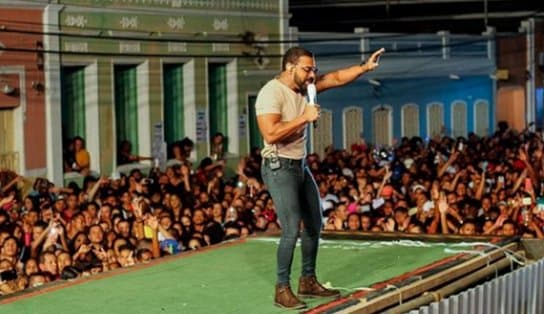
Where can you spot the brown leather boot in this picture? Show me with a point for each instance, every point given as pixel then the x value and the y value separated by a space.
pixel 309 287
pixel 285 298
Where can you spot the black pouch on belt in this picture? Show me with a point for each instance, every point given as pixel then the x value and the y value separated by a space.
pixel 274 163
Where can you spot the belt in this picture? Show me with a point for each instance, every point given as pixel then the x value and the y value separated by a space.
pixel 287 161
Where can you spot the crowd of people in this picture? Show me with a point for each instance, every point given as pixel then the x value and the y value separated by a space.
pixel 468 186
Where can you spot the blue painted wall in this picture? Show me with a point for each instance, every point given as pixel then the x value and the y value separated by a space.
pixel 415 77
pixel 397 93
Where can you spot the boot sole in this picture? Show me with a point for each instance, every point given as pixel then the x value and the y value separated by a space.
pixel 300 307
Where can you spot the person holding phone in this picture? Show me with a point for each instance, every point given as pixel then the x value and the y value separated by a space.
pixel 283 114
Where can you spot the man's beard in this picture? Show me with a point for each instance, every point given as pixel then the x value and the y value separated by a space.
pixel 301 84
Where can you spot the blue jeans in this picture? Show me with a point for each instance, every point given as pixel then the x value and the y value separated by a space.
pixel 296 198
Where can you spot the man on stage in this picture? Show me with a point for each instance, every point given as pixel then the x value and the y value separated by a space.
pixel 283 114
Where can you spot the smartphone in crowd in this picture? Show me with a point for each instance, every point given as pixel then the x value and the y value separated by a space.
pixel 460 146
pixel 54 230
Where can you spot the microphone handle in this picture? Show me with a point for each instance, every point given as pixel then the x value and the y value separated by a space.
pixel 315 122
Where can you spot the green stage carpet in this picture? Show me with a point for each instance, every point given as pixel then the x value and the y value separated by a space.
pixel 236 278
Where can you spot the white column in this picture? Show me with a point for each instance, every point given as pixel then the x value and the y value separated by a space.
pixel 233 116
pixel 365 42
pixel 445 35
pixel 144 125
pixel 284 15
pixel 92 116
pixel 53 117
pixel 293 35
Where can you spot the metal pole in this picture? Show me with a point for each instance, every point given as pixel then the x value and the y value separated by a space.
pixel 485 14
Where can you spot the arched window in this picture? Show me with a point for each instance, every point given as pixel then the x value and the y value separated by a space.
pixel 322 134
pixel 382 125
pixel 459 119
pixel 410 120
pixel 353 125
pixel 435 119
pixel 481 118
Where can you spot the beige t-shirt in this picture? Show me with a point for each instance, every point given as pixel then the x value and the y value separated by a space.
pixel 276 97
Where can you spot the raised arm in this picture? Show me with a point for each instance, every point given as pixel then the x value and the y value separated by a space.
pixel 346 75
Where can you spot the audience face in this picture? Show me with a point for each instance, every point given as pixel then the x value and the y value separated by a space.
pixel 175 202
pixel 366 223
pixel 126 258
pixel 198 217
pixel 400 217
pixel 37 231
pixel 177 152
pixel 9 248
pixel 468 229
pixel 353 222
pixel 49 264
pixel 96 235
pixel 71 202
pixel 105 213
pixel 509 230
pixel 28 203
pixel 64 259
pixel 47 214
pixel 79 240
pixel 217 210
pixel 146 257
pixel 165 222
pixel 78 145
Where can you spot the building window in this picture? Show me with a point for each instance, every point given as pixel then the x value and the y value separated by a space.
pixel 126 105
pixel 435 120
pixel 459 119
pixel 217 92
pixel 73 101
pixel 481 118
pixel 382 125
pixel 353 126
pixel 322 134
pixel 410 120
pixel 173 102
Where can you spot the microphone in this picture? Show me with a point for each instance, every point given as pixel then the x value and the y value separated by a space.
pixel 312 92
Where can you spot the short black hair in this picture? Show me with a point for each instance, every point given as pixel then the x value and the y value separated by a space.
pixel 401 209
pixel 293 54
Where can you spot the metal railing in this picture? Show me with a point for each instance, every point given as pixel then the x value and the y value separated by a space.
pixel 518 292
